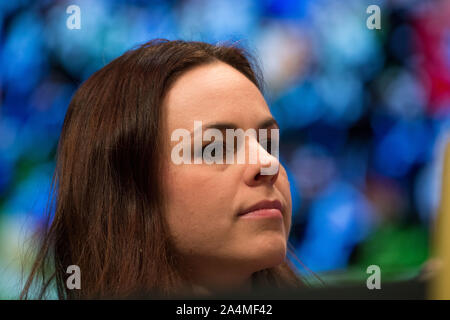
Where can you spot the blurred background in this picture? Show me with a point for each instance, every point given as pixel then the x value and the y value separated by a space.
pixel 364 114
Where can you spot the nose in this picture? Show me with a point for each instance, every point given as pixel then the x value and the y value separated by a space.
pixel 266 168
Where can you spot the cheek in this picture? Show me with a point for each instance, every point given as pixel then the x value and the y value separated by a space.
pixel 192 187
pixel 194 199
pixel 283 186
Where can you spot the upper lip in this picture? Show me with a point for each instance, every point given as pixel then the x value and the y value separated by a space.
pixel 265 204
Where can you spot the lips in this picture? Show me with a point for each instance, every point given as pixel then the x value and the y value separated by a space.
pixel 265 204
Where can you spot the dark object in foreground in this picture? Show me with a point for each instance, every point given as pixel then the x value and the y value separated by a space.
pixel 401 290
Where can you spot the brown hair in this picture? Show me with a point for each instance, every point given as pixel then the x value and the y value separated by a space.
pixel 106 212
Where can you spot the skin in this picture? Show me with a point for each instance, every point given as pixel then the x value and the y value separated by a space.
pixel 221 250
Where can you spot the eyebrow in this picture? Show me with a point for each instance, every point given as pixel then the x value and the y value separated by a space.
pixel 267 123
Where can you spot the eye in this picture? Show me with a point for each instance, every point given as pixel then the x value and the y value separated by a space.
pixel 267 145
pixel 214 146
pixel 204 147
pixel 212 153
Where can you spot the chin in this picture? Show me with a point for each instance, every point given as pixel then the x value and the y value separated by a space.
pixel 268 252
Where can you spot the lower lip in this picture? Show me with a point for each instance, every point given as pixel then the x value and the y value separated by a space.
pixel 263 213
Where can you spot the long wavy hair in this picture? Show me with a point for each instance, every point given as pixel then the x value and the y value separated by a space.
pixel 106 210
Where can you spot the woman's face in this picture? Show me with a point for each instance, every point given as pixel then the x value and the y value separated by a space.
pixel 218 245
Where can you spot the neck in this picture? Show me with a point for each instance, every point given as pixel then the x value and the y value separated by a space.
pixel 208 289
pixel 209 281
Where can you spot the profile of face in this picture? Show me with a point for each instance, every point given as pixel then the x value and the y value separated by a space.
pixel 220 247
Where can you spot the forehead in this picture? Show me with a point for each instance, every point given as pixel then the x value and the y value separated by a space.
pixel 211 93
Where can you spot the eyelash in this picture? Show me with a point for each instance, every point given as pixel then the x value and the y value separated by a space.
pixel 221 143
pixel 268 143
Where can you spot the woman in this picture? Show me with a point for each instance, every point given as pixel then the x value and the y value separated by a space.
pixel 135 221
